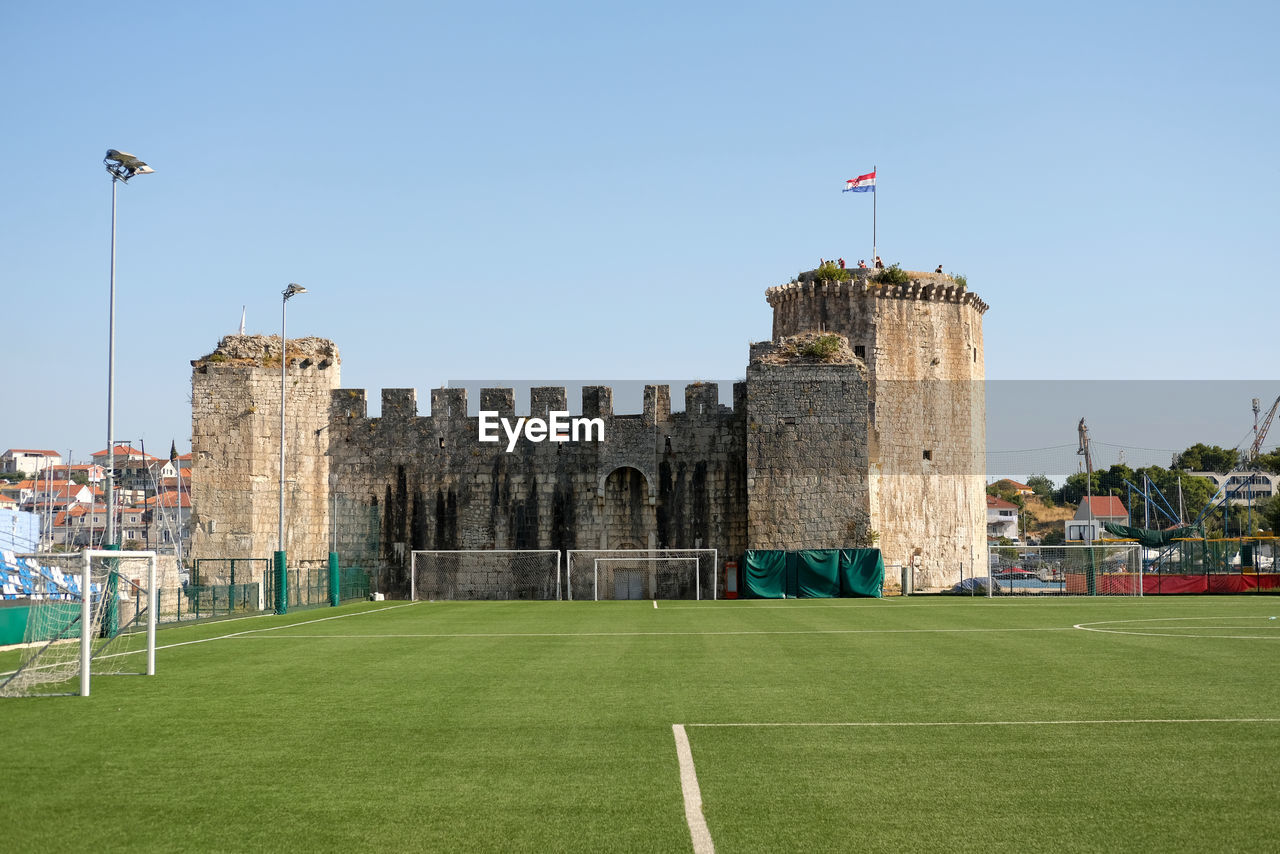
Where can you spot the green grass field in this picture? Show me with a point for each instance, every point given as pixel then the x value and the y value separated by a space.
pixel 922 724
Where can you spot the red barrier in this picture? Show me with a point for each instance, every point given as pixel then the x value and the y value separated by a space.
pixel 1155 585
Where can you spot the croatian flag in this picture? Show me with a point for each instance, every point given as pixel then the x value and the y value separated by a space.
pixel 862 184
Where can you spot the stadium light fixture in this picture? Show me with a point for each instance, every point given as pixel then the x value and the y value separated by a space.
pixel 122 167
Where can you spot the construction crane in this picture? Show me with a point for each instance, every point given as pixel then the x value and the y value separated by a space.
pixel 1260 431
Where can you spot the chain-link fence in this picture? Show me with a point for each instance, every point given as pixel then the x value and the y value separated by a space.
pixel 207 601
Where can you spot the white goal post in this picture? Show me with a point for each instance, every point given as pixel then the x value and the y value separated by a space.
pixel 485 574
pixel 1099 569
pixel 596 574
pixel 96 617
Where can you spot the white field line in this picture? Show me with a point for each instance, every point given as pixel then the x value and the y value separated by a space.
pixel 693 794
pixel 159 647
pixel 655 604
pixel 693 816
pixel 1058 600
pixel 255 636
pixel 880 724
pixel 1122 627
pixel 285 626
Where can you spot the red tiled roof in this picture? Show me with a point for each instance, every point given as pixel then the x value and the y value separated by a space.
pixel 996 503
pixel 33 451
pixel 124 451
pixel 1101 505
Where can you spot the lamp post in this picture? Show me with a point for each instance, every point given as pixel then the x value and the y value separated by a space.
pixel 282 592
pixel 121 167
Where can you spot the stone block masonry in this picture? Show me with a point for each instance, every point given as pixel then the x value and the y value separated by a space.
pixel 235 445
pixel 657 480
pixel 883 430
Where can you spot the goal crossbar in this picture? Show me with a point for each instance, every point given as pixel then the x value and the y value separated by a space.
pixel 702 560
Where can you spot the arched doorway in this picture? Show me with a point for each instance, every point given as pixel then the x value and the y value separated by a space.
pixel 627 512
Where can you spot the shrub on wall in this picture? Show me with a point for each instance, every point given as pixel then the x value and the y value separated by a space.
pixel 891 275
pixel 830 272
pixel 823 347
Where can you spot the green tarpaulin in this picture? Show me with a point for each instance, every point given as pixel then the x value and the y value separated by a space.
pixel 1150 538
pixel 812 573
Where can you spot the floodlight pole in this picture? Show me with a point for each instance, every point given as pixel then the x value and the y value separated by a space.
pixel 121 167
pixel 111 378
pixel 282 595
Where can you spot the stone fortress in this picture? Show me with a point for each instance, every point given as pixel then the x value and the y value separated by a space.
pixel 886 434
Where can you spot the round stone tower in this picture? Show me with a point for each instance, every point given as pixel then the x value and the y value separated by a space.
pixel 922 346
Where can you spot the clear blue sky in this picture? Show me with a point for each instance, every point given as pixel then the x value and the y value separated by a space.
pixel 592 190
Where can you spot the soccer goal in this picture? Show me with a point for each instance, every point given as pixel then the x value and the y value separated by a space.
pixel 1103 569
pixel 91 613
pixel 485 574
pixel 594 574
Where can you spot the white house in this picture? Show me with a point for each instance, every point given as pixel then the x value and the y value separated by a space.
pixel 1002 519
pixel 28 461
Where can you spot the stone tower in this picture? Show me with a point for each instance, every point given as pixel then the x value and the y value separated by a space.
pixel 807 448
pixel 235 448
pixel 921 343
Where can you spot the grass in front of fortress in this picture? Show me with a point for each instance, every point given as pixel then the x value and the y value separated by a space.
pixel 922 724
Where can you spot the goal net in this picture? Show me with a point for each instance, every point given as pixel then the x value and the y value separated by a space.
pixel 485 574
pixel 89 613
pixel 1104 569
pixel 595 574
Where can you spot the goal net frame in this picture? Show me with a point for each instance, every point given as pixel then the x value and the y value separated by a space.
pixel 59 654
pixel 1100 568
pixel 707 560
pixel 487 556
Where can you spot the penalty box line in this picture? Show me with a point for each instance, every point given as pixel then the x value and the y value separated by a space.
pixel 692 792
pixel 875 724
pixel 255 635
pixel 699 833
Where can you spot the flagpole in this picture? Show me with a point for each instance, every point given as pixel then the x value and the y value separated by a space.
pixel 874 253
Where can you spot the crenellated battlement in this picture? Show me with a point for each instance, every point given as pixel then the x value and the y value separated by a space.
pixel 934 287
pixel 702 402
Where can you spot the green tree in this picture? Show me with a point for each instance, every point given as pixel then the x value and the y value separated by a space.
pixel 1040 485
pixel 1073 490
pixel 1268 513
pixel 1004 489
pixel 1055 537
pixel 1202 457
pixel 1269 462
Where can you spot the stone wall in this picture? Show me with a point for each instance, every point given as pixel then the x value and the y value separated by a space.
pixel 235 444
pixel 807 451
pixel 659 479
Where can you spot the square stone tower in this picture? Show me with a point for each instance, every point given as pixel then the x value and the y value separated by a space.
pixel 235 448
pixel 921 341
